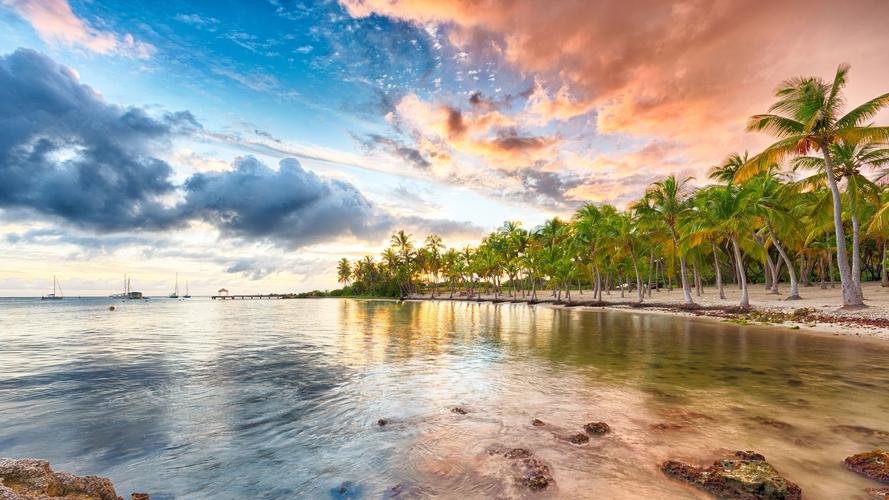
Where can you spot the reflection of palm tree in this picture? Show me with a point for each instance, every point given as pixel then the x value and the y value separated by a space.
pixel 810 120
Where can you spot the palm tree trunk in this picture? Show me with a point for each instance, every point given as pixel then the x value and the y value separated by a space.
pixel 686 291
pixel 794 286
pixel 856 250
pixel 821 271
pixel 884 274
pixel 650 271
pixel 830 269
pixel 638 279
pixel 696 276
pixel 620 283
pixel 598 284
pixel 851 292
pixel 718 271
pixel 745 298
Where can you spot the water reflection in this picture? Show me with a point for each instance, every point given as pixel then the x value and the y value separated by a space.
pixel 281 398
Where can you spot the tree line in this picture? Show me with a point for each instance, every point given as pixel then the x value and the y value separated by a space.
pixel 811 207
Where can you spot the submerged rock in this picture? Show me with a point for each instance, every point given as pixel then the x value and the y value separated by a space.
pixel 30 478
pixel 458 410
pixel 665 426
pixel 530 471
pixel 140 496
pixel 538 423
pixel 747 477
pixel 878 493
pixel 579 438
pixel 865 432
pixel 597 428
pixel 769 422
pixel 871 464
pixel 382 422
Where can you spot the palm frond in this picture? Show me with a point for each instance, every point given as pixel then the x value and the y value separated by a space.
pixel 864 112
pixel 778 125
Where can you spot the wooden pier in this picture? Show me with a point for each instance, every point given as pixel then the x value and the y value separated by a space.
pixel 249 296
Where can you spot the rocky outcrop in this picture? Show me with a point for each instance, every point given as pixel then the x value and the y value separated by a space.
pixel 458 410
pixel 747 476
pixel 28 478
pixel 597 428
pixel 538 423
pixel 871 464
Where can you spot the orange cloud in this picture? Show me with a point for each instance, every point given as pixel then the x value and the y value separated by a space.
pixel 687 72
pixel 55 22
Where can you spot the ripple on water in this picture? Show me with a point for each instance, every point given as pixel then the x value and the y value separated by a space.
pixel 282 398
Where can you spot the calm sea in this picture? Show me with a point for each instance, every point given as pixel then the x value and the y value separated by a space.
pixel 280 399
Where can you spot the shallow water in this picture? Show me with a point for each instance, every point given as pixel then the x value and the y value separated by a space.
pixel 200 399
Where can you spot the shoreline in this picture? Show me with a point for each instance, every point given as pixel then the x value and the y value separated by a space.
pixel 799 316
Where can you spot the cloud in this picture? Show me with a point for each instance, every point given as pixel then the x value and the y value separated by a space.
pixel 686 72
pixel 55 22
pixel 291 205
pixel 66 153
pixel 69 156
pixel 396 148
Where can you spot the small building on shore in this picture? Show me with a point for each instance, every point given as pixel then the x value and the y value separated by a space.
pixel 222 292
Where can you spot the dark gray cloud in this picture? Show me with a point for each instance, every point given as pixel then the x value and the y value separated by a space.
pixel 291 204
pixel 66 153
pixel 397 148
pixel 546 188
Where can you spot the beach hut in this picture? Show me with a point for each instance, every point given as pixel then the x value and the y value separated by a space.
pixel 222 291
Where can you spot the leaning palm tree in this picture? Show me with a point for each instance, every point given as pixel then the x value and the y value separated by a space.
pixel 668 198
pixel 806 117
pixel 850 159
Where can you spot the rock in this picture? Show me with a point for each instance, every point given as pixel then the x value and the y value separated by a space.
pixel 749 477
pixel 382 422
pixel 579 438
pixel 140 496
pixel 538 423
pixel 30 478
pixel 597 428
pixel 875 493
pixel 458 410
pixel 530 471
pixel 870 464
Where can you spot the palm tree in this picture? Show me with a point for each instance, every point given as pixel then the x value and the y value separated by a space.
pixel 767 192
pixel 806 117
pixel 850 159
pixel 344 271
pixel 726 172
pixel 434 247
pixel 668 199
pixel 730 207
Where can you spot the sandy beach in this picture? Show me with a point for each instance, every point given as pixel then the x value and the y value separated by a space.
pixel 825 314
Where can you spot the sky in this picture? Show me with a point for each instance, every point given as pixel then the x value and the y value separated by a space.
pixel 251 144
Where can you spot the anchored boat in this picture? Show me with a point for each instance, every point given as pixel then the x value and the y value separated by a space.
pixel 56 291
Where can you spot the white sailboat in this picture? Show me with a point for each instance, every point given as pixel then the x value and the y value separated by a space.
pixel 56 291
pixel 187 295
pixel 175 293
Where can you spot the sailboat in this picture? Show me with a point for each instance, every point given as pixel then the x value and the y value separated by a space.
pixel 175 293
pixel 127 293
pixel 54 295
pixel 187 295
